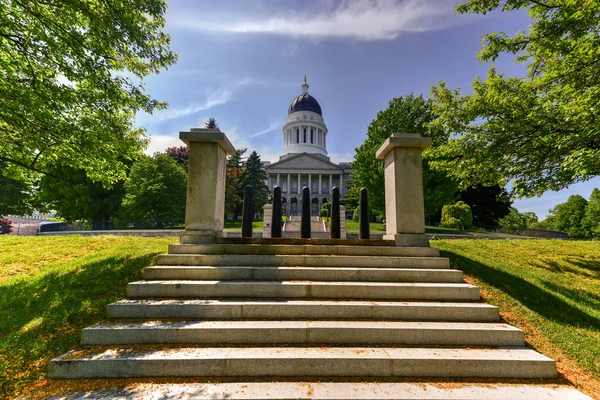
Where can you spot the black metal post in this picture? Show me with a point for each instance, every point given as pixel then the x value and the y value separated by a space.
pixel 305 223
pixel 247 213
pixel 364 228
pixel 276 217
pixel 335 214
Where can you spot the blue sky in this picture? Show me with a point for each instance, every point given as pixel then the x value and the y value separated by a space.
pixel 242 62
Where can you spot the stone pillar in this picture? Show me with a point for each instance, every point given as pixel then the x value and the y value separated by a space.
pixel 288 191
pixel 330 183
pixel 267 216
pixel 404 207
pixel 310 184
pixel 342 222
pixel 205 199
pixel 320 182
pixel 299 186
pixel 341 185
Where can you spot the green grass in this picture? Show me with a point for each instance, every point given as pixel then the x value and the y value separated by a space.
pixel 237 225
pixel 352 226
pixel 548 288
pixel 52 287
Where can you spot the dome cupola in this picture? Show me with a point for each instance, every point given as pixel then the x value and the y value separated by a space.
pixel 305 130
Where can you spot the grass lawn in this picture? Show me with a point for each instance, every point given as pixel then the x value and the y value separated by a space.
pixel 237 225
pixel 548 288
pixel 52 287
pixel 352 226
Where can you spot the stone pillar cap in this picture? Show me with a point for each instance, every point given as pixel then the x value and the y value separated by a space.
pixel 402 140
pixel 201 135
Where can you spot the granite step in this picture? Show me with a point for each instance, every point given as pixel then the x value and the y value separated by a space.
pixel 303 250
pixel 303 261
pixel 303 289
pixel 303 273
pixel 304 333
pixel 302 309
pixel 324 362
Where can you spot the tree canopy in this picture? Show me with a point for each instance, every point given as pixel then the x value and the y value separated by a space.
pixel 255 176
pixel 406 114
pixel 71 81
pixel 540 131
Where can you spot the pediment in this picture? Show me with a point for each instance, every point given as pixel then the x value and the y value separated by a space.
pixel 303 162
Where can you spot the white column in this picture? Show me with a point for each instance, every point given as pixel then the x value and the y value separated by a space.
pixel 330 183
pixel 299 184
pixel 289 188
pixel 340 187
pixel 270 182
pixel 278 182
pixel 309 182
pixel 320 177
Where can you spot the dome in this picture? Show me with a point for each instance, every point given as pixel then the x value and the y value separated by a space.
pixel 305 102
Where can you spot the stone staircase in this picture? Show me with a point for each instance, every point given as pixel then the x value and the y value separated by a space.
pixel 252 308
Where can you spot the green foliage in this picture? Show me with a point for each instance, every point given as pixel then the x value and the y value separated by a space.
pixel 457 216
pixel 74 196
pixel 71 82
pixel 539 132
pixel 233 188
pixel 180 155
pixel 591 220
pixel 16 195
pixel 356 214
pixel 407 114
pixel 255 176
pixel 155 190
pixel 568 217
pixel 517 219
pixel 325 211
pixel 488 204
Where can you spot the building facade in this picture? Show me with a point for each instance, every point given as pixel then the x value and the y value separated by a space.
pixel 304 162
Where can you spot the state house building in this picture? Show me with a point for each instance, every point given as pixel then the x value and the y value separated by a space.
pixel 304 161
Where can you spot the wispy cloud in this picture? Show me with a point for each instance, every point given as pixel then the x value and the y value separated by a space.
pixel 272 127
pixel 221 95
pixel 365 20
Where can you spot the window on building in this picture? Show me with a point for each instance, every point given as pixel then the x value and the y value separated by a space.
pixel 314 188
pixel 304 135
pixel 324 187
pixel 312 136
pixel 298 135
pixel 294 187
pixel 284 187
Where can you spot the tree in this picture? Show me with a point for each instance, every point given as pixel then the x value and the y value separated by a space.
pixel 568 217
pixel 234 172
pixel 488 204
pixel 71 82
pixel 74 196
pixel 180 155
pixel 5 226
pixel 457 216
pixel 518 220
pixel 211 123
pixel 540 131
pixel 16 195
pixel 407 114
pixel 325 211
pixel 591 220
pixel 155 190
pixel 255 176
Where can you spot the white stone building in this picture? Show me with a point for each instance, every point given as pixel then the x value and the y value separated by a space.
pixel 304 161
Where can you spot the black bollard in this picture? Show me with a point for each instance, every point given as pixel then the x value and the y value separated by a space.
pixel 364 228
pixel 335 214
pixel 247 213
pixel 276 218
pixel 305 223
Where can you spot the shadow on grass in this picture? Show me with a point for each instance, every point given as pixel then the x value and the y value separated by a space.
pixel 577 266
pixel 42 316
pixel 541 301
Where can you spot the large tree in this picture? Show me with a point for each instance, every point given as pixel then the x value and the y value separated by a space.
pixel 591 220
pixel 71 81
pixel 155 191
pixel 540 131
pixel 16 195
pixel 255 176
pixel 488 204
pixel 568 217
pixel 407 114
pixel 233 188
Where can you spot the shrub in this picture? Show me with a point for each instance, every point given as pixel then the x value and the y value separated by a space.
pixel 457 216
pixel 5 226
pixel 325 212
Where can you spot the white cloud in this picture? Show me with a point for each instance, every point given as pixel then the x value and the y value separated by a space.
pixel 159 143
pixel 365 20
pixel 272 127
pixel 216 97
